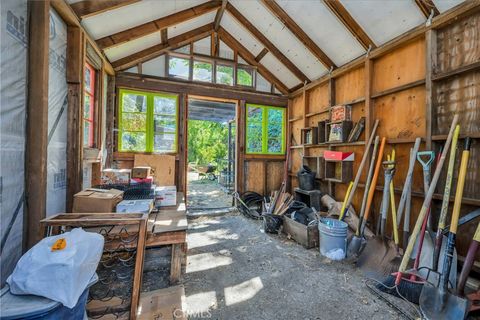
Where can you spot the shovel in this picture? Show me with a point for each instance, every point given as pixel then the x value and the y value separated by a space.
pixel 439 303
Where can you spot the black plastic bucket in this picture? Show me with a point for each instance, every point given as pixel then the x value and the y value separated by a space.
pixel 272 223
pixel 306 179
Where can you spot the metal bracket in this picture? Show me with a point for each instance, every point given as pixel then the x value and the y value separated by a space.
pixel 368 50
pixel 429 20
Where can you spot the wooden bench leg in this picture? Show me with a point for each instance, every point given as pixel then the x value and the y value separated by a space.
pixel 176 263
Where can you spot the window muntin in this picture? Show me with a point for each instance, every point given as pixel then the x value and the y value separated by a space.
pixel 89 107
pixel 148 122
pixel 265 132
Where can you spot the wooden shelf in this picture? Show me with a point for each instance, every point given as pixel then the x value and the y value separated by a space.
pixel 398 89
pixel 400 140
pixel 351 102
pixel 356 143
pixel 463 69
pixel 312 114
pixel 442 137
pixel 296 147
pixel 295 119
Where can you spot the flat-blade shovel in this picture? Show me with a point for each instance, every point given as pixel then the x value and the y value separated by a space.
pixel 439 303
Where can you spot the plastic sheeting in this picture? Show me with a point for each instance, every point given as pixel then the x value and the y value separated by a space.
pixel 57 117
pixel 13 74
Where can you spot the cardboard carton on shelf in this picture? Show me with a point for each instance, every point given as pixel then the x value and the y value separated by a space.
pixel 165 196
pixel 135 206
pixel 116 176
pixel 141 172
pixel 96 200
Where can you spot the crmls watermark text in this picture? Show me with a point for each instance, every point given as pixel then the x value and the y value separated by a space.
pixel 179 313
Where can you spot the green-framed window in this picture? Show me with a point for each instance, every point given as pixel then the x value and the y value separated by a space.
pixel 265 132
pixel 148 121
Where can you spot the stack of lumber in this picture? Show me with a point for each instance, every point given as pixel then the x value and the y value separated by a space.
pixel 279 203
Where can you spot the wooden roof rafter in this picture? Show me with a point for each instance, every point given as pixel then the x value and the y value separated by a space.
pixel 347 20
pixel 427 6
pixel 219 15
pixel 159 49
pixel 89 8
pixel 157 25
pixel 250 59
pixel 278 12
pixel 265 42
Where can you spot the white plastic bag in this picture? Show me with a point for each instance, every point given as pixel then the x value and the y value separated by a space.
pixel 60 275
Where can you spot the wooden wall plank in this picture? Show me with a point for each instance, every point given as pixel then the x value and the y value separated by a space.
pixel 254 176
pixel 350 86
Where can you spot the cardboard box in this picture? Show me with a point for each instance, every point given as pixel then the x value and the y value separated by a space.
pixel 338 156
pixel 141 172
pixel 96 200
pixel 116 176
pixel 165 196
pixel 163 167
pixel 135 206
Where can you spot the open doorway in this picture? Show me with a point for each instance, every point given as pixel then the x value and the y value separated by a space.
pixel 211 137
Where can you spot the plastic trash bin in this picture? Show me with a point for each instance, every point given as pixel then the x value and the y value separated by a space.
pixel 36 307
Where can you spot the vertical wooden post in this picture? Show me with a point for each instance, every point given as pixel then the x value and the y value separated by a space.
pixel 183 141
pixel 110 123
pixel 368 97
pixel 240 173
pixel 289 150
pixel 331 103
pixel 75 65
pixel 37 120
pixel 431 63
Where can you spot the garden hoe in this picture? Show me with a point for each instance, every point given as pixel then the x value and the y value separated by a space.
pixel 439 303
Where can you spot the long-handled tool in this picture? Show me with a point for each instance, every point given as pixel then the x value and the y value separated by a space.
pixel 439 303
pixel 468 263
pixel 360 168
pixel 446 200
pixel 356 242
pixel 347 194
pixel 397 281
pixel 426 159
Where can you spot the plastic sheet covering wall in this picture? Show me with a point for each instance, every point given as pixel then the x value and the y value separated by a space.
pixel 57 117
pixel 13 74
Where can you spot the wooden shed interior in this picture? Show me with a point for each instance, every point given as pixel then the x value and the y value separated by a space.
pixel 93 85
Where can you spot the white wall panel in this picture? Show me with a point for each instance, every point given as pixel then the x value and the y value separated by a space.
pixel 126 17
pixel 385 20
pixel 323 27
pixel 279 70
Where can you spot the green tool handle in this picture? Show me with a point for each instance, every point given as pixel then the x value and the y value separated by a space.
pixel 426 202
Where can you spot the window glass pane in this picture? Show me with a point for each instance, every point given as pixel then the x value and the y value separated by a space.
pixel 86 133
pixel 244 77
pixel 224 75
pixel 274 145
pixel 164 105
pixel 134 122
pixel 87 108
pixel 184 49
pixel 255 114
pixel 134 103
pixel 88 78
pixel 202 71
pixel 134 141
pixel 274 130
pixel 164 143
pixel 275 116
pixel 254 138
pixel 179 68
pixel 165 124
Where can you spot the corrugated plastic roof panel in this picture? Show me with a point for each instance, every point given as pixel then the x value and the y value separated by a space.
pixel 444 5
pixel 280 71
pixel 281 37
pixel 225 51
pixel 384 20
pixel 202 46
pixel 154 67
pixel 133 46
pixel 126 17
pixel 324 29
pixel 191 24
pixel 233 27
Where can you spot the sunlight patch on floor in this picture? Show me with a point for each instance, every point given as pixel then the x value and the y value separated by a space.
pixel 243 291
pixel 206 261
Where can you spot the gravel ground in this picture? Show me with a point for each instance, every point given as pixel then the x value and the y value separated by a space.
pixel 235 271
pixel 206 194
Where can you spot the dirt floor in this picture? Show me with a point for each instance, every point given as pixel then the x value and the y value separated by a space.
pixel 235 271
pixel 205 194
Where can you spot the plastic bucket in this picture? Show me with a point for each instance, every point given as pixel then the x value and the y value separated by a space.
pixel 333 238
pixel 306 180
pixel 272 223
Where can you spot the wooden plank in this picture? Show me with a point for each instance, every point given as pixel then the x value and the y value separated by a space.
pixel 463 69
pixel 163 167
pixel 89 8
pixel 37 120
pixel 299 33
pixel 274 173
pixel 183 143
pixel 240 141
pixel 164 304
pixel 267 43
pixel 157 25
pixel 250 58
pixel 347 20
pixel 427 7
pixel 219 15
pixel 168 221
pixel 138 271
pixel 403 87
pixel 164 84
pixel 262 54
pixel 254 176
pixel 176 263
pixel 350 86
pixel 430 62
pixel 159 49
pixel 110 121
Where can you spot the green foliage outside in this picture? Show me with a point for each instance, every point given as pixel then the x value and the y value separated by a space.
pixel 207 143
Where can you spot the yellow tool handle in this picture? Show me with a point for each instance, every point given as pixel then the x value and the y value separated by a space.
pixel 342 212
pixel 394 213
pixel 459 192
pixel 476 237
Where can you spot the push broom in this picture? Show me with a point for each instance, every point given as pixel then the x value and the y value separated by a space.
pixel 400 281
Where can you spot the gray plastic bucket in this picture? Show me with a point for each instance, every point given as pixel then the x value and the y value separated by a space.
pixel 333 238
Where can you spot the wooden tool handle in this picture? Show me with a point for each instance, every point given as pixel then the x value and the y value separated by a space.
pixel 428 198
pixel 371 191
pixel 344 209
pixel 468 263
pixel 394 214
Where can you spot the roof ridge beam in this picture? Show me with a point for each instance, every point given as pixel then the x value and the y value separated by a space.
pixel 89 8
pixel 250 58
pixel 159 49
pixel 157 25
pixel 268 45
pixel 349 22
pixel 278 12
